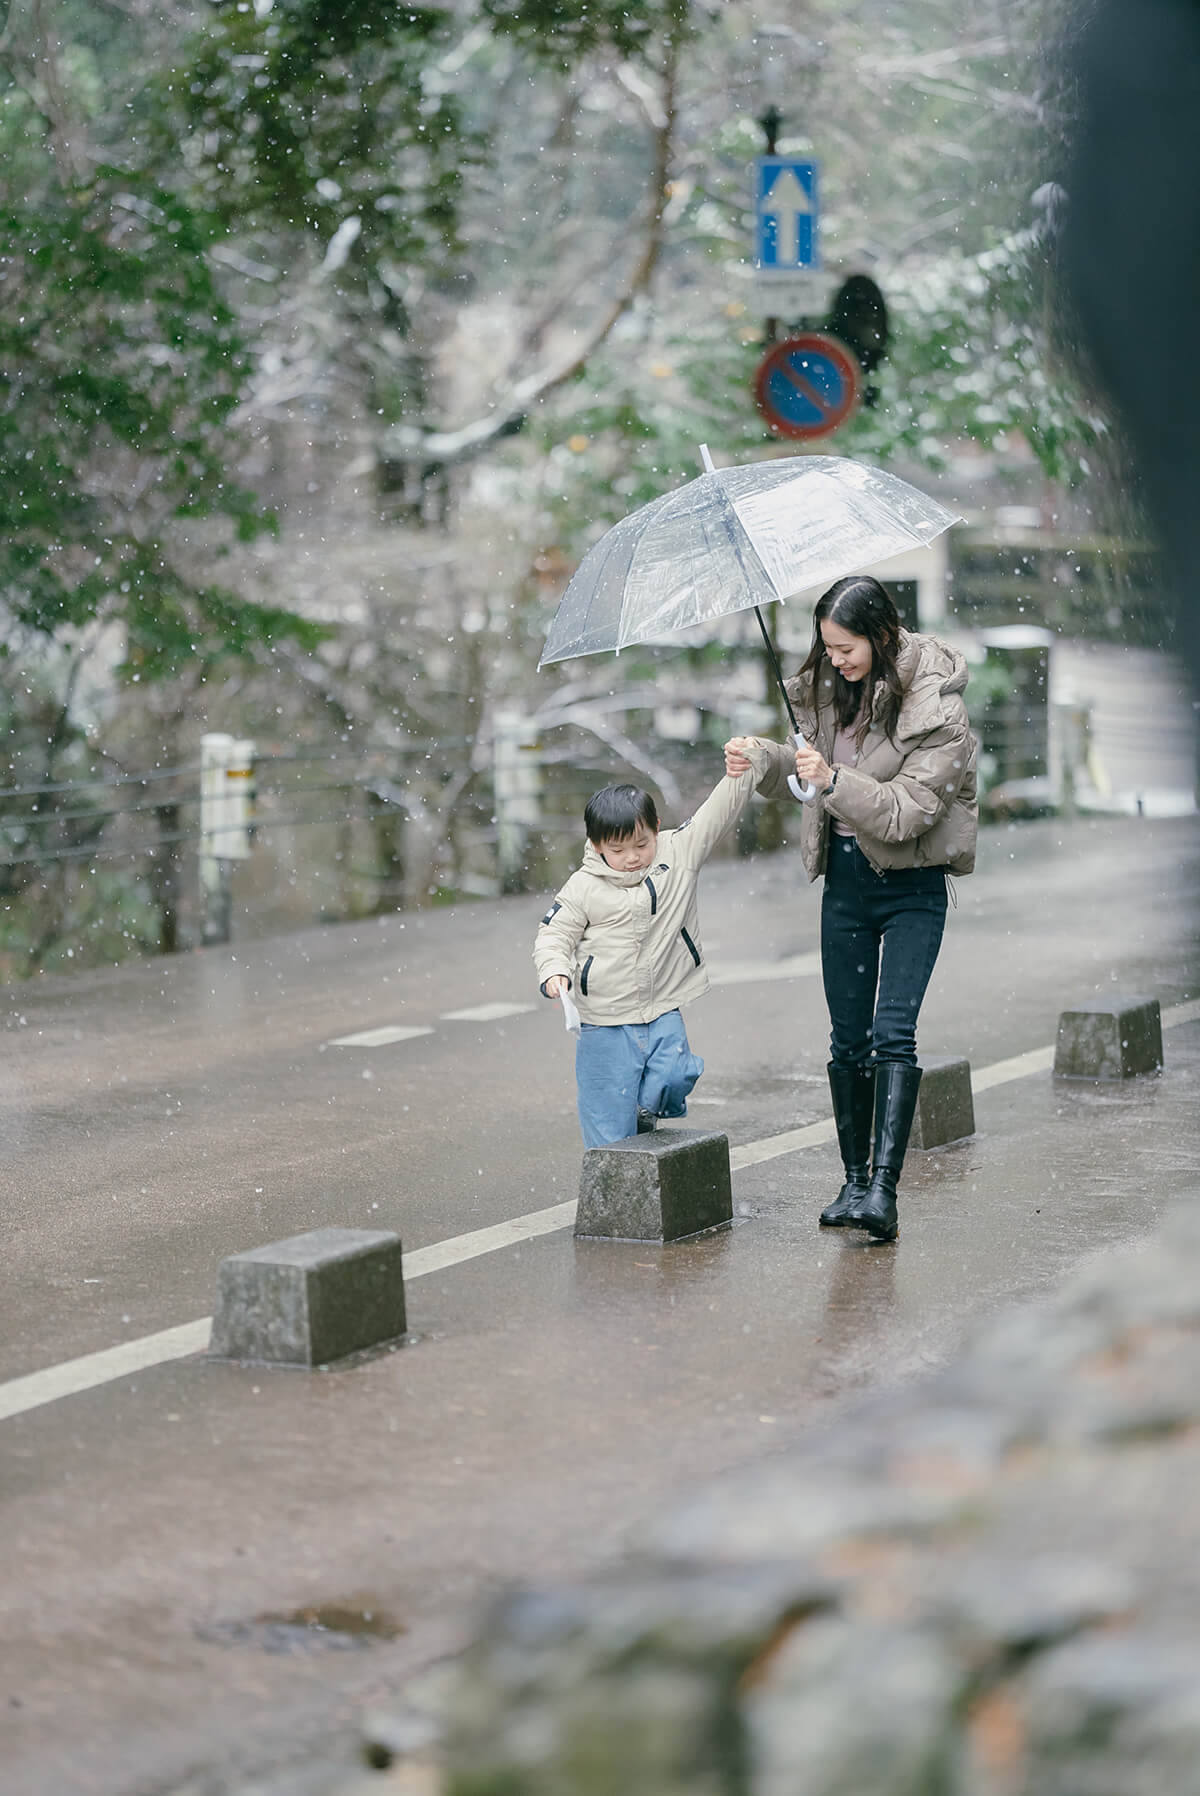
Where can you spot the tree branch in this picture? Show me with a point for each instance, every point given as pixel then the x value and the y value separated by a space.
pixel 411 443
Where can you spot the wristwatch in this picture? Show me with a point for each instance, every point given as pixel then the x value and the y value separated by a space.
pixel 831 785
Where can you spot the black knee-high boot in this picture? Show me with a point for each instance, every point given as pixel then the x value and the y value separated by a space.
pixel 852 1089
pixel 896 1088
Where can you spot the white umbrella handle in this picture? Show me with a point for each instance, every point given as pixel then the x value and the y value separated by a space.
pixel 805 793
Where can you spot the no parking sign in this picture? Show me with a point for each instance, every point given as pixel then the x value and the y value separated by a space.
pixel 807 385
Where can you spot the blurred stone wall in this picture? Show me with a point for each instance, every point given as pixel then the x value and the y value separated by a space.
pixel 985 1585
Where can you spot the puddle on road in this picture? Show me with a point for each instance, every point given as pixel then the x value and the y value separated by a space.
pixel 317 1628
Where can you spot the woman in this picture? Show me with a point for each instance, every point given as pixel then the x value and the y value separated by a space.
pixel 887 744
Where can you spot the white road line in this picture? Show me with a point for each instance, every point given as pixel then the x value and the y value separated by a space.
pixel 74 1375
pixel 501 1234
pixel 486 1013
pixel 1037 1060
pixel 772 1146
pixel 84 1374
pixel 378 1038
pixel 745 972
pixel 730 972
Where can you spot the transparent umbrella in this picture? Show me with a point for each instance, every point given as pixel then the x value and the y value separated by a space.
pixel 736 539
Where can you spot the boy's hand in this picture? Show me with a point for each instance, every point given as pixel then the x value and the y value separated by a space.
pixel 736 759
pixel 556 985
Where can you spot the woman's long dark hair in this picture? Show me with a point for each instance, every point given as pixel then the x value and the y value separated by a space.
pixel 861 605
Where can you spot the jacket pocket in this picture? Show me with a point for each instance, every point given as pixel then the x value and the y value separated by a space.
pixel 583 976
pixel 691 946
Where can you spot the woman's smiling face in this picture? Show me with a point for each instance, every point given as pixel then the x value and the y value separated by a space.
pixel 851 655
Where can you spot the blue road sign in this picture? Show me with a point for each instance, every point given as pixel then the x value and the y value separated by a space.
pixel 807 385
pixel 786 209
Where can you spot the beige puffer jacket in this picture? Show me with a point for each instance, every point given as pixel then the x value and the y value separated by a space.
pixel 910 801
pixel 630 942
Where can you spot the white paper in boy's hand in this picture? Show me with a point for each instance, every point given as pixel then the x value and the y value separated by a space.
pixel 570 1014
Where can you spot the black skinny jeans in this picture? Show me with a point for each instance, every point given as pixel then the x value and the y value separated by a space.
pixel 880 935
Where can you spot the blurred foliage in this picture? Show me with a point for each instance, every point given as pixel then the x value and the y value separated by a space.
pixel 57 907
pixel 294 119
pixel 120 365
pixel 560 33
pixel 972 357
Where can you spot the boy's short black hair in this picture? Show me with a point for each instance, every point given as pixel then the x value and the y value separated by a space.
pixel 613 813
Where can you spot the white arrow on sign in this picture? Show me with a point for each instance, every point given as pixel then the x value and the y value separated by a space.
pixel 787 203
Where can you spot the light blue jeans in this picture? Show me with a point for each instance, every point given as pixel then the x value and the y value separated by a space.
pixel 621 1068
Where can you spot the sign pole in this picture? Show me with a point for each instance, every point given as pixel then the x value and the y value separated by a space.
pixel 770 121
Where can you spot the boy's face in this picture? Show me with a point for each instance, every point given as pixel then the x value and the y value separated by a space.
pixel 631 854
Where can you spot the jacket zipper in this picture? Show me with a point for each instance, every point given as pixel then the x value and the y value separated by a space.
pixel 583 975
pixel 691 946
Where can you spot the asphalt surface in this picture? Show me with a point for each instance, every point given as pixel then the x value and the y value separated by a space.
pixel 553 1396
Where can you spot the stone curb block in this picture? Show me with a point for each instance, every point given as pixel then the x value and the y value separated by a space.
pixel 658 1187
pixel 945 1106
pixel 1109 1038
pixel 310 1299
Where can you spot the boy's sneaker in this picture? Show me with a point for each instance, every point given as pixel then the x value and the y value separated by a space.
pixel 647 1122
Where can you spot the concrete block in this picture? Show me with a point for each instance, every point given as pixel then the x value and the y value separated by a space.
pixel 657 1187
pixel 945 1107
pixel 1109 1038
pixel 310 1299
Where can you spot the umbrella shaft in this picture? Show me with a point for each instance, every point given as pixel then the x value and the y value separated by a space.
pixel 766 636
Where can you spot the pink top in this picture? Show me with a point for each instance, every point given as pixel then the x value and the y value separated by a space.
pixel 845 754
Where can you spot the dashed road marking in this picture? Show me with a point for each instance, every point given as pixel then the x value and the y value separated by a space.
pixel 745 972
pixel 378 1038
pixel 486 1013
pixel 34 1390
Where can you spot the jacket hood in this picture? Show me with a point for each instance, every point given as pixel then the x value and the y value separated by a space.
pixel 929 658
pixel 594 862
pixel 929 671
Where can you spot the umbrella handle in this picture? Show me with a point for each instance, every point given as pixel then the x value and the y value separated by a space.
pixel 805 792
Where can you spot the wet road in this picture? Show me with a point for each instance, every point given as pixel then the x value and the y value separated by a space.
pixel 156 1119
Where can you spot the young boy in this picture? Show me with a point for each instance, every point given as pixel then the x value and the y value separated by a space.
pixel 624 933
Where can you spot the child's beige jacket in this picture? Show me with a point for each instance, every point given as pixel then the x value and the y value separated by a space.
pixel 630 942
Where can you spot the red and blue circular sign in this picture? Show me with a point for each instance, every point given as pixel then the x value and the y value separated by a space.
pixel 807 385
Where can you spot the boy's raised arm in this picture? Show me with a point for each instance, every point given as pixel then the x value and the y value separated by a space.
pixel 772 762
pixel 724 804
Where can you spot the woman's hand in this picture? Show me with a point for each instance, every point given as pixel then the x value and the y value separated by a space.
pixel 812 768
pixel 736 759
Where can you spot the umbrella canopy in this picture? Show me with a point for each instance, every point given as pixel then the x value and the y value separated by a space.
pixel 733 539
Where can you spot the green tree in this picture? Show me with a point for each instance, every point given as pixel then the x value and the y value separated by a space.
pixel 120 364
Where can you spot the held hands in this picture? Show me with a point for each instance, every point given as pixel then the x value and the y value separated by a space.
pixel 811 767
pixel 736 760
